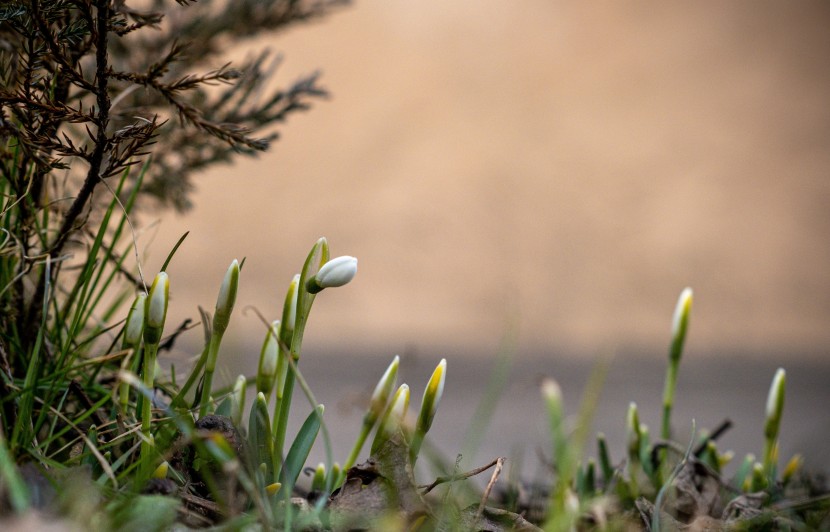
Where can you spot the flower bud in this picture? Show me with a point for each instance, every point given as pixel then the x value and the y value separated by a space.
pixel 161 470
pixel 432 396
pixel 775 404
pixel 680 323
pixel 383 390
pixel 267 371
pixel 226 299
pixel 393 418
pixel 289 311
pixel 634 433
pixel 155 311
pixel 336 272
pixel 238 399
pixel 135 321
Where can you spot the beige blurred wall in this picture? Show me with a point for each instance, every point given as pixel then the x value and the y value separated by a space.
pixel 572 165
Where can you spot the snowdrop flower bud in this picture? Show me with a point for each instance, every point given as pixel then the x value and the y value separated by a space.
pixel 336 272
pixel 432 396
pixel 267 372
pixel 680 323
pixel 289 310
pixel 393 418
pixel 155 311
pixel 135 321
pixel 775 404
pixel 238 399
pixel 383 390
pixel 226 299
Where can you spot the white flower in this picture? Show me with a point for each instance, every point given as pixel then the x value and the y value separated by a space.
pixel 336 272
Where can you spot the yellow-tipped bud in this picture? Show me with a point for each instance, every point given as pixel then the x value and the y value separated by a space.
pixel 226 299
pixel 336 272
pixel 161 470
pixel 383 390
pixel 793 466
pixel 155 311
pixel 432 396
pixel 273 489
pixel 393 418
pixel 268 360
pixel 135 321
pixel 680 323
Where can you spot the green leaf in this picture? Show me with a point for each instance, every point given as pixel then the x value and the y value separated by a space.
pixel 298 453
pixel 260 441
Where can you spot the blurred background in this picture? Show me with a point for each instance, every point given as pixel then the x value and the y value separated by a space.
pixel 554 173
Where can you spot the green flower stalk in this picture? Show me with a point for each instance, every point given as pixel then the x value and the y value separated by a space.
pixel 775 407
pixel 221 318
pixel 429 406
pixel 561 513
pixel 266 374
pixel 393 418
pixel 680 325
pixel 133 331
pixel 377 404
pixel 336 272
pixel 155 313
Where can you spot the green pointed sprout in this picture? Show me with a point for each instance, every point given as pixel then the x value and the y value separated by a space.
pixel 429 406
pixel 393 419
pixel 318 481
pixel 266 374
pixel 604 460
pixel 221 318
pixel 155 313
pixel 680 325
pixel 133 332
pixel 336 272
pixel 377 404
pixel 775 407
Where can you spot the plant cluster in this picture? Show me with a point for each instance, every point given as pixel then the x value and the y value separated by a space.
pixel 93 431
pixel 89 90
pixel 669 485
